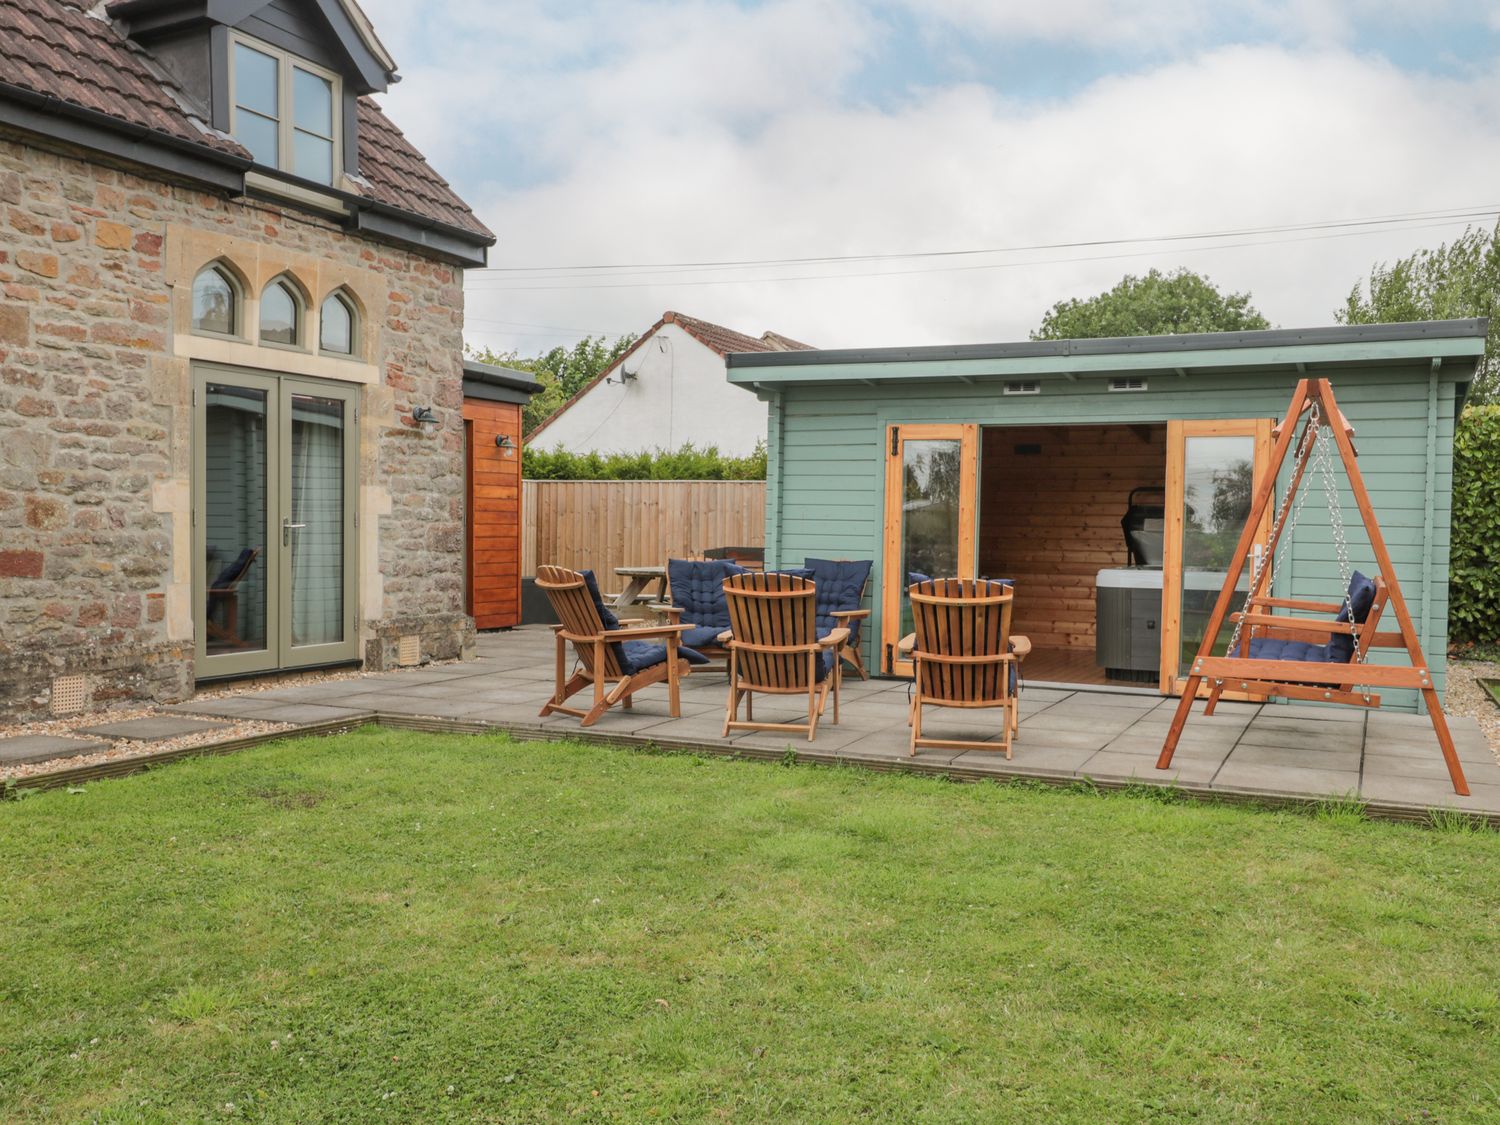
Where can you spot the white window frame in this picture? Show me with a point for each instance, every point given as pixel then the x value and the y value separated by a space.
pixel 285 127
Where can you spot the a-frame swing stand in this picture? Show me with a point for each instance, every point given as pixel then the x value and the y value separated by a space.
pixel 1295 679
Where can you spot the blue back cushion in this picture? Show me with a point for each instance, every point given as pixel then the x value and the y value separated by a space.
pixel 1361 598
pixel 698 587
pixel 840 585
pixel 606 614
pixel 235 570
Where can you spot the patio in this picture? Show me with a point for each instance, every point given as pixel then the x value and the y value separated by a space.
pixel 1273 753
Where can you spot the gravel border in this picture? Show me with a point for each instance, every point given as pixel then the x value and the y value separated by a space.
pixel 121 747
pixel 1465 697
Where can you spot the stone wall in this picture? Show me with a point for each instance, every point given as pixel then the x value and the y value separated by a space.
pixel 96 567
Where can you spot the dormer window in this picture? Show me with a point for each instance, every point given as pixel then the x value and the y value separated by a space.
pixel 283 110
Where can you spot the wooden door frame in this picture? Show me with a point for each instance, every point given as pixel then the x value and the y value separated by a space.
pixel 897 434
pixel 1178 431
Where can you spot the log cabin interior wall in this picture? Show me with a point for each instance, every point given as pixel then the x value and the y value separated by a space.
pixel 1050 503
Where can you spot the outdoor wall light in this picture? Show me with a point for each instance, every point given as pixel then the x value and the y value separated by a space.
pixel 424 414
pixel 502 441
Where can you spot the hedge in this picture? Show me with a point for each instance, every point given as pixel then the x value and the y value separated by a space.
pixel 686 463
pixel 1474 567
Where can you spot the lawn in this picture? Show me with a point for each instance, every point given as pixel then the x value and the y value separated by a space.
pixel 398 926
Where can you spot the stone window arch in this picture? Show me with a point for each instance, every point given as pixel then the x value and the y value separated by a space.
pixel 339 323
pixel 283 313
pixel 218 301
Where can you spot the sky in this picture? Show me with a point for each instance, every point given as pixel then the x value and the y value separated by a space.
pixel 938 171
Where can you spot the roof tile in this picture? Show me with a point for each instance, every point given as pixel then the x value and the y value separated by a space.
pixel 57 49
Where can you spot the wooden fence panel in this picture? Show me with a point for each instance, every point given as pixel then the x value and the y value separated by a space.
pixel 602 524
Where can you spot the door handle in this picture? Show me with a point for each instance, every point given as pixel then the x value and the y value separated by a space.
pixel 286 531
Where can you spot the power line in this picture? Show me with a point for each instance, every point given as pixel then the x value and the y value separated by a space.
pixel 1399 218
pixel 944 269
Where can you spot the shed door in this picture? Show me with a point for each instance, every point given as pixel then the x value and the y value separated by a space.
pixel 930 502
pixel 1213 468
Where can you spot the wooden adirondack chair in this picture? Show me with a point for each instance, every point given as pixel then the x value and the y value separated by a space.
pixel 775 649
pixel 964 655
pixel 624 657
pixel 224 591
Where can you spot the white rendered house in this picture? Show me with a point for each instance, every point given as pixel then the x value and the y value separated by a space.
pixel 669 388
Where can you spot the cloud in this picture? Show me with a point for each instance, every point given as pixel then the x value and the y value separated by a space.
pixel 702 131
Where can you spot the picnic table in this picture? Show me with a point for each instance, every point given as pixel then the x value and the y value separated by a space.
pixel 637 579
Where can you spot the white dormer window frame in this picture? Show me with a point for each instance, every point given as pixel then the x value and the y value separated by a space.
pixel 287 126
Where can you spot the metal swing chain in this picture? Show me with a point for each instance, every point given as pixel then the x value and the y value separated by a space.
pixel 1282 538
pixel 1340 541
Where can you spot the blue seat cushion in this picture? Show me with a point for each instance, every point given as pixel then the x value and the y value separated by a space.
pixel 637 656
pixel 840 586
pixel 1275 648
pixel 702 636
pixel 1361 598
pixel 698 588
pixel 606 614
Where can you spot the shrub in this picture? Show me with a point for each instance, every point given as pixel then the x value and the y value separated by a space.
pixel 685 463
pixel 1473 573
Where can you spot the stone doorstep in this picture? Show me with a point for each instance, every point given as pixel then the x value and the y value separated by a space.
pixel 27 749
pixel 153 728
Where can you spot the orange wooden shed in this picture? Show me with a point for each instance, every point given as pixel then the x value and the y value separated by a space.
pixel 493 400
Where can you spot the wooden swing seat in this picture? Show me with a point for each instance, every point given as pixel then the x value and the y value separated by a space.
pixel 1320 669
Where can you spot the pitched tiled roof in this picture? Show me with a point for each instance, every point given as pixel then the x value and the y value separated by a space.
pixel 396 174
pixel 725 340
pixel 716 336
pixel 54 48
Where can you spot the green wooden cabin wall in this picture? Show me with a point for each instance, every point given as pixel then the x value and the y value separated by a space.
pixel 826 473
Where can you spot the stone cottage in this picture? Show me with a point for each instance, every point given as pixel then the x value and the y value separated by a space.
pixel 231 305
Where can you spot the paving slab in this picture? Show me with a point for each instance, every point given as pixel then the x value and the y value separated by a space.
pixel 1029 758
pixel 308 713
pixel 1296 780
pixel 1431 792
pixel 152 728
pixel 1108 765
pixel 1314 737
pixel 1342 758
pixel 24 749
pixel 1207 749
pixel 229 707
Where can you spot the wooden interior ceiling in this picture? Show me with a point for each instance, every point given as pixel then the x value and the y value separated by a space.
pixel 1050 503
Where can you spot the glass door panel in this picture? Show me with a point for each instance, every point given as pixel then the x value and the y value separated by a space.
pixel 1213 470
pixel 235 579
pixel 316 535
pixel 930 505
pixel 314 531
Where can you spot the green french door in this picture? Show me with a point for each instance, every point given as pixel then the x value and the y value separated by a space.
pixel 275 485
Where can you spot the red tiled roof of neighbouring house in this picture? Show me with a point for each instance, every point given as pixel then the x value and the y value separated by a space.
pixel 56 49
pixel 715 336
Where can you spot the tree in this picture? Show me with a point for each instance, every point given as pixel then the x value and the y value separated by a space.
pixel 1458 279
pixel 562 372
pixel 1154 305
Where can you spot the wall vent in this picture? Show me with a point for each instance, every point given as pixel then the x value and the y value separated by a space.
pixel 1024 387
pixel 1128 383
pixel 409 651
pixel 69 693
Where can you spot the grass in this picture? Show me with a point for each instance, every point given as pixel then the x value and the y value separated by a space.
pixel 399 926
